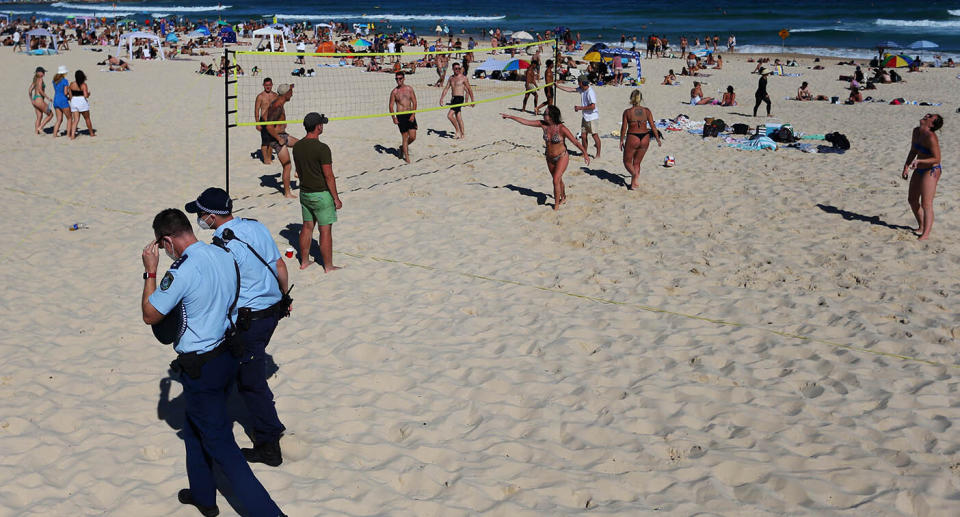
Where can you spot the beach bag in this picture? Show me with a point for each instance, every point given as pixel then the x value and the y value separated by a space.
pixel 714 128
pixel 839 140
pixel 740 129
pixel 897 101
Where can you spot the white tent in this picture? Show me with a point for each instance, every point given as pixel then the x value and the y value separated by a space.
pixel 267 32
pixel 130 37
pixel 42 33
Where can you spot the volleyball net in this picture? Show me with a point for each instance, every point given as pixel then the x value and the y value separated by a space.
pixel 357 85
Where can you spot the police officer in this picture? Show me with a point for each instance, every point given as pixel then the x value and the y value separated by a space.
pixel 199 292
pixel 263 280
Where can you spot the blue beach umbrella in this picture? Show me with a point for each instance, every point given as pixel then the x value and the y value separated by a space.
pixel 888 44
pixel 923 44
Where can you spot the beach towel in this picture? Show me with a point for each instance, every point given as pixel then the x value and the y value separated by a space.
pixel 757 144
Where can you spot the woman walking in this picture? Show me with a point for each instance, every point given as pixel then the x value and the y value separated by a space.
pixel 924 159
pixel 635 132
pixel 761 94
pixel 39 99
pixel 554 135
pixel 61 104
pixel 79 92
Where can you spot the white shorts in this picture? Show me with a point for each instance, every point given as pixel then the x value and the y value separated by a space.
pixel 79 104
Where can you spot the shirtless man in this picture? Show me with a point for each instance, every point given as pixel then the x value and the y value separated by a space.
pixel 442 61
pixel 530 83
pixel 403 98
pixel 260 106
pixel 280 140
pixel 458 84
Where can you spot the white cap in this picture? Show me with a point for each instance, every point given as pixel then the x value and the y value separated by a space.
pixel 62 70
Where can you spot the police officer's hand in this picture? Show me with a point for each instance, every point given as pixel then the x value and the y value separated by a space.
pixel 151 256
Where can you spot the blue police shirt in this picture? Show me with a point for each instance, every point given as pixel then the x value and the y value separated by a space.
pixel 258 286
pixel 205 280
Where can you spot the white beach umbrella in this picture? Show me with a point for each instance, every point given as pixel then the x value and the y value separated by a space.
pixel 523 35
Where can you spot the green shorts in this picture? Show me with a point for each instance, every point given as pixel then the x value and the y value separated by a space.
pixel 318 206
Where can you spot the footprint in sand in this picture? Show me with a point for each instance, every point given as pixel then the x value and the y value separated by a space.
pixel 811 390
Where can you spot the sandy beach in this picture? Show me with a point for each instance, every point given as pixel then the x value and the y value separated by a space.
pixel 751 333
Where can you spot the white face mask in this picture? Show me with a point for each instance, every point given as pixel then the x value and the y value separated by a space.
pixel 169 253
pixel 202 223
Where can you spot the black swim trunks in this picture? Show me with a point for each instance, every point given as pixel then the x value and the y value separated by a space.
pixel 456 99
pixel 265 137
pixel 405 124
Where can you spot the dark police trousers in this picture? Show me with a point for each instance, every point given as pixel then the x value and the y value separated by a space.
pixel 252 381
pixel 208 437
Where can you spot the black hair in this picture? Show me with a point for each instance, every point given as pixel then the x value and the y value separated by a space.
pixel 554 113
pixel 730 88
pixel 80 77
pixel 937 123
pixel 171 222
pixel 267 80
pixel 401 73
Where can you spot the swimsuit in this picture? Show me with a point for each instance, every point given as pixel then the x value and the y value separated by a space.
pixel 456 99
pixel 405 124
pixel 555 138
pixel 936 169
pixel 640 135
pixel 279 144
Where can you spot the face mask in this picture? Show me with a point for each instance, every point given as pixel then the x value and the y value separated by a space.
pixel 169 253
pixel 202 223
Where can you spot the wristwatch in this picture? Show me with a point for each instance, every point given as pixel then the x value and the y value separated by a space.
pixel 149 275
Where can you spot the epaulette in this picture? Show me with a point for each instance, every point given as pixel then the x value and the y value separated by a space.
pixel 179 261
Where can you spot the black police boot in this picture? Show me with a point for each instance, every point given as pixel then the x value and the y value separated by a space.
pixel 264 452
pixel 186 497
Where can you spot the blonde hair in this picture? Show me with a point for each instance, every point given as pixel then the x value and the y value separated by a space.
pixel 56 78
pixel 636 98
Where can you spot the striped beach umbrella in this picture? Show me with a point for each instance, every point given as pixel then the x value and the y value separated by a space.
pixel 896 61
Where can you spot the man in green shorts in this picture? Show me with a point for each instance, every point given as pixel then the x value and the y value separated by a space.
pixel 319 200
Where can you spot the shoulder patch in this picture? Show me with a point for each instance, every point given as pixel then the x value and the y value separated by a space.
pixel 167 280
pixel 179 261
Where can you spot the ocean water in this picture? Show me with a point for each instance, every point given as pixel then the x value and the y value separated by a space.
pixel 827 27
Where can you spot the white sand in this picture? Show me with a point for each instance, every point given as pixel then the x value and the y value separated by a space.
pixel 712 344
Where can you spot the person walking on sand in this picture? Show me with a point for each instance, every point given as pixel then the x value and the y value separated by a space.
pixel 61 103
pixel 924 159
pixel 319 200
pixel 39 99
pixel 555 135
pixel 280 141
pixel 458 85
pixel 263 283
pixel 761 94
pixel 403 98
pixel 79 92
pixel 260 105
pixel 635 132
pixel 530 83
pixel 591 115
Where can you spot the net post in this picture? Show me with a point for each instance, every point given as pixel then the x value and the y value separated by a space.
pixel 556 66
pixel 226 119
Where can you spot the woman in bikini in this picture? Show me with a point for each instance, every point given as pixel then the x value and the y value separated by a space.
pixel 635 132
pixel 924 159
pixel 554 134
pixel 39 100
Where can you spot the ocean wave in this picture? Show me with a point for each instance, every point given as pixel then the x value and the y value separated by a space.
pixel 954 12
pixel 386 16
pixel 858 53
pixel 930 24
pixel 95 14
pixel 140 9
pixel 837 28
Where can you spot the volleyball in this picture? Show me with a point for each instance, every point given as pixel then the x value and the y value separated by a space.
pixel 668 161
